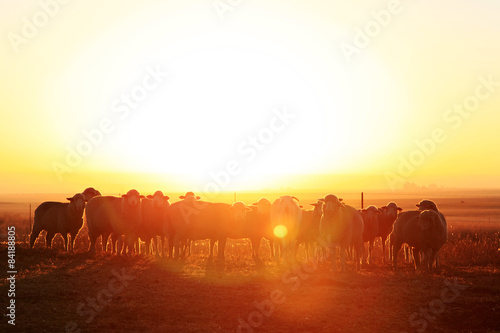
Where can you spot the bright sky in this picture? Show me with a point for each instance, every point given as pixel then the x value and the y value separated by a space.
pixel 250 94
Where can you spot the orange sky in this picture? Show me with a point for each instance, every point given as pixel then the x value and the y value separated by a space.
pixel 252 96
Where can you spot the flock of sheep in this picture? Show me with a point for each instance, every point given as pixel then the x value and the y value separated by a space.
pixel 286 224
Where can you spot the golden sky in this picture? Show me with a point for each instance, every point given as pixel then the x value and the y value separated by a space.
pixel 246 95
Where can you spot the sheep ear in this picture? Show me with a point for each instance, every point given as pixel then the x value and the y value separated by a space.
pixel 322 200
pixel 300 206
pixel 340 199
pixel 295 198
pixel 166 197
pixel 149 196
pixel 124 195
pixel 69 199
pixel 248 209
pixel 314 204
pixel 182 197
pixel 383 207
pixel 141 197
pixel 198 197
pixel 399 208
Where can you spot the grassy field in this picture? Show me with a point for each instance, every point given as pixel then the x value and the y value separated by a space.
pixel 61 292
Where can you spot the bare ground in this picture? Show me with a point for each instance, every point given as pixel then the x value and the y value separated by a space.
pixel 55 290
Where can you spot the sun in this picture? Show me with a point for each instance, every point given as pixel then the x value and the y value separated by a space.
pixel 280 231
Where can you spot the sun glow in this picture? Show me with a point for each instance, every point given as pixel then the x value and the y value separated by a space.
pixel 170 91
pixel 280 231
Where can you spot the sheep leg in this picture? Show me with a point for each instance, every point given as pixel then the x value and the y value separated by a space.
pixel 118 244
pixel 48 239
pixel 343 257
pixel 104 242
pixel 221 245
pixel 162 246
pixel 358 256
pixel 416 257
pixel 65 237
pixel 370 249
pixel 147 245
pixel 255 249
pixel 34 235
pixel 212 243
pixel 157 245
pixel 174 248
pixel 395 248
pixel 271 247
pixel 72 243
pixel 383 248
pixel 93 240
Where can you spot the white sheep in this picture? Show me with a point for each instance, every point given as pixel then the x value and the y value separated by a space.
pixel 286 217
pixel 262 218
pixel 370 217
pixel 153 209
pixel 386 219
pixel 342 226
pixel 114 215
pixel 423 231
pixel 57 217
pixel 309 227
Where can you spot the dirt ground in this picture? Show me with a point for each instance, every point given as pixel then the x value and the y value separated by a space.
pixel 60 292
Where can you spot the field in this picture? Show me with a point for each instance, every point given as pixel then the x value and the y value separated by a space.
pixel 61 292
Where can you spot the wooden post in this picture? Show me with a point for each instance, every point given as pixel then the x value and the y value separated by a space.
pixel 362 200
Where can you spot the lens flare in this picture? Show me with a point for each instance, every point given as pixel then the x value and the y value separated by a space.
pixel 280 231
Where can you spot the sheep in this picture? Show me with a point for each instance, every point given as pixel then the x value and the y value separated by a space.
pixel 185 244
pixel 153 209
pixel 341 225
pixel 57 217
pixel 113 215
pixel 423 231
pixel 309 227
pixel 286 217
pixel 430 205
pixel 90 192
pixel 247 223
pixel 370 217
pixel 386 219
pixel 261 217
pixel 192 219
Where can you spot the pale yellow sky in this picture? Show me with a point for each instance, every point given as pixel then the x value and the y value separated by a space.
pixel 205 94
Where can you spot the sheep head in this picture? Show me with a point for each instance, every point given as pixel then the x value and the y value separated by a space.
pixel 428 219
pixel 189 195
pixel 239 210
pixel 132 198
pixel 90 192
pixel 263 206
pixel 332 204
pixel 77 203
pixel 159 200
pixel 427 205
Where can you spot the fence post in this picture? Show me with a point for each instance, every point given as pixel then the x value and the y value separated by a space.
pixel 362 200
